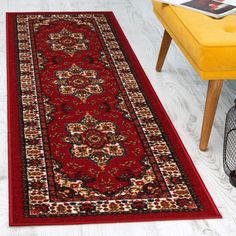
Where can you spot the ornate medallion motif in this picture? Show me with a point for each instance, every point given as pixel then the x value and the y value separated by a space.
pixel 79 82
pixel 68 42
pixel 95 140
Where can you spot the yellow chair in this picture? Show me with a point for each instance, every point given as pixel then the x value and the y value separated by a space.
pixel 210 47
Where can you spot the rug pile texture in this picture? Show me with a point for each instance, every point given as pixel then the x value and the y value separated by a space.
pixel 89 141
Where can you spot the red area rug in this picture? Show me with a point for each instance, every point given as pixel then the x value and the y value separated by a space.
pixel 89 141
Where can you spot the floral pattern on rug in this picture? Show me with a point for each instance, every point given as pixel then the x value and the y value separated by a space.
pixel 49 109
pixel 68 42
pixel 79 82
pixel 95 140
pixel 122 107
pixel 92 144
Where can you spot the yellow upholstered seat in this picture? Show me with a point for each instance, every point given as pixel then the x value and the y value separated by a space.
pixel 209 44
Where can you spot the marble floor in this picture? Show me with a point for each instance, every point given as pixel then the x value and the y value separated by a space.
pixel 182 94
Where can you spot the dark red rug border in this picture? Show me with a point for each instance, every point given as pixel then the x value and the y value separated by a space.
pixel 16 217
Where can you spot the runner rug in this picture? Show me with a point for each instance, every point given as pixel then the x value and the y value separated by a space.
pixel 89 141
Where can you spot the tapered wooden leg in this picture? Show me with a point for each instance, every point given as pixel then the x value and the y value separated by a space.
pixel 166 40
pixel 213 94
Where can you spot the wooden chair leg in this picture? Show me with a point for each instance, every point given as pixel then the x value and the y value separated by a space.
pixel 166 40
pixel 213 94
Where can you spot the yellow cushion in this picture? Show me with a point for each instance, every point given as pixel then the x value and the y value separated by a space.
pixel 209 44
